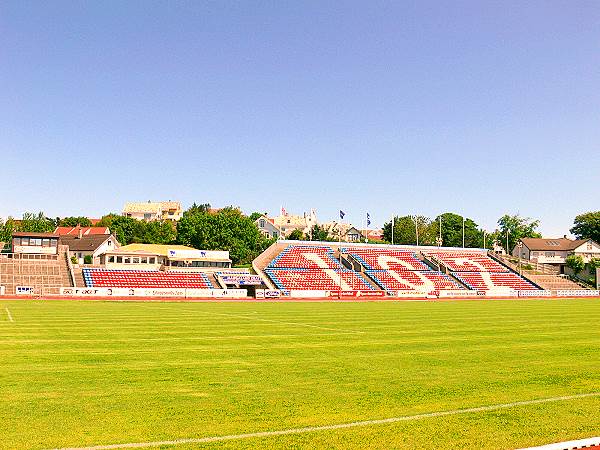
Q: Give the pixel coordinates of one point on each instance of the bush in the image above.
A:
(87, 259)
(74, 260)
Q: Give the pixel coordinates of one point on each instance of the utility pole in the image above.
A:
(417, 230)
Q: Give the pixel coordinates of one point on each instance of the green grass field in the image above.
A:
(75, 374)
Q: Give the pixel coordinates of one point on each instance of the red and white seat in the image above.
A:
(145, 279)
(317, 280)
(384, 259)
(486, 281)
(426, 282)
(467, 261)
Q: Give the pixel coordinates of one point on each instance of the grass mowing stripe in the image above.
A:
(174, 370)
(297, 324)
(339, 426)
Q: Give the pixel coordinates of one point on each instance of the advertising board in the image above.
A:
(24, 290)
(457, 293)
(576, 293)
(242, 279)
(535, 293)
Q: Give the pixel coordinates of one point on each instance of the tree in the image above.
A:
(587, 226)
(195, 209)
(74, 221)
(592, 266)
(128, 230)
(452, 231)
(517, 227)
(154, 232)
(317, 233)
(296, 235)
(227, 229)
(7, 229)
(405, 230)
(122, 227)
(37, 223)
(575, 263)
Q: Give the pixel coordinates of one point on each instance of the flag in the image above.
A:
(342, 214)
(283, 211)
(368, 219)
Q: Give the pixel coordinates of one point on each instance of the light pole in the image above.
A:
(484, 239)
(463, 219)
(507, 252)
(519, 247)
(392, 229)
(416, 230)
(438, 241)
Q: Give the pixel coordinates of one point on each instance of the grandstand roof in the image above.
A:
(153, 249)
(545, 244)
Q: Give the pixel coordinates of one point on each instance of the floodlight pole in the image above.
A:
(392, 229)
(520, 246)
(463, 220)
(439, 244)
(416, 230)
(507, 251)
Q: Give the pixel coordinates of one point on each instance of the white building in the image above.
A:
(285, 223)
(150, 211)
(168, 257)
(268, 228)
(555, 251)
(92, 245)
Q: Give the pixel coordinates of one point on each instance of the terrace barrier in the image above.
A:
(153, 292)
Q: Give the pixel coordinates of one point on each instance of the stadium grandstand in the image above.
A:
(41, 263)
(478, 271)
(397, 270)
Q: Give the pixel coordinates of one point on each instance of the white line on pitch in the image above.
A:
(339, 426)
(10, 317)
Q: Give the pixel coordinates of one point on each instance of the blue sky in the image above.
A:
(480, 108)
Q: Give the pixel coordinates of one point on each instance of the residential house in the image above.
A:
(555, 251)
(150, 211)
(92, 245)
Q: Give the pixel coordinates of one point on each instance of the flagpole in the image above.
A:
(340, 250)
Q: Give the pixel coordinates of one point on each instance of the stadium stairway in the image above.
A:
(78, 275)
(214, 281)
(554, 282)
(545, 280)
(263, 260)
(352, 264)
